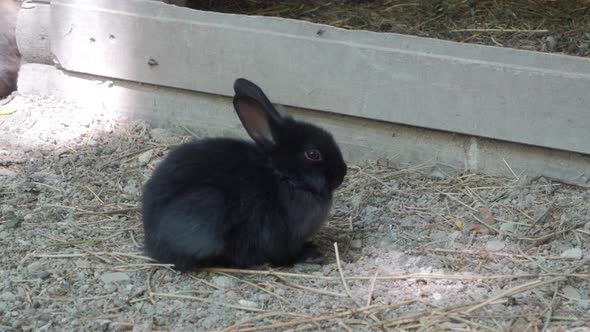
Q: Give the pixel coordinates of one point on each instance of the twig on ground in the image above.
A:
(551, 307)
(342, 273)
(148, 284)
(371, 288)
(204, 300)
(515, 290)
(311, 289)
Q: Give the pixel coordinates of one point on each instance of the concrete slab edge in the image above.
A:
(361, 139)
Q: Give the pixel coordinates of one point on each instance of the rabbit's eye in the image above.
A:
(313, 155)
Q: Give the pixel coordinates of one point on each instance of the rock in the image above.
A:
(8, 297)
(551, 43)
(370, 213)
(438, 175)
(144, 327)
(131, 189)
(356, 244)
(43, 177)
(114, 277)
(57, 290)
(41, 274)
(209, 322)
(507, 227)
(249, 304)
(495, 245)
(145, 157)
(306, 267)
(263, 297)
(575, 253)
(407, 222)
(36, 266)
(7, 173)
(584, 304)
(439, 236)
(571, 293)
(3, 235)
(163, 136)
(223, 282)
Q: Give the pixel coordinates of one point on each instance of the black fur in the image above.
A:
(229, 202)
(9, 55)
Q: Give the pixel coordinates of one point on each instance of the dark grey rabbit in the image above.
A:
(9, 55)
(230, 202)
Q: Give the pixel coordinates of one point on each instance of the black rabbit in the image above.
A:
(229, 202)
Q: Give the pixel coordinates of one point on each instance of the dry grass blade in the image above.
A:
(204, 300)
(551, 307)
(148, 284)
(238, 325)
(372, 288)
(341, 272)
(319, 318)
(483, 253)
(403, 276)
(310, 289)
(280, 298)
(515, 290)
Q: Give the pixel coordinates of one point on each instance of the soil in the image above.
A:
(536, 25)
(419, 247)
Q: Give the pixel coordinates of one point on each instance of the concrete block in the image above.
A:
(32, 33)
(361, 139)
(519, 96)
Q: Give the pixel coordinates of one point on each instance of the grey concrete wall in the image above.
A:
(361, 139)
(518, 96)
(32, 33)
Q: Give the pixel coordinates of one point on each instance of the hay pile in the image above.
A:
(540, 25)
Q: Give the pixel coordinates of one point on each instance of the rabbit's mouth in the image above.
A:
(310, 184)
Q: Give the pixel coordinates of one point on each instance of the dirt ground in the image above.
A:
(418, 248)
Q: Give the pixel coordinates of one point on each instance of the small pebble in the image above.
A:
(551, 43)
(114, 277)
(356, 244)
(507, 227)
(263, 297)
(306, 267)
(145, 157)
(571, 293)
(495, 245)
(572, 253)
(249, 304)
(7, 173)
(584, 304)
(144, 327)
(163, 136)
(8, 297)
(223, 282)
(436, 174)
(41, 274)
(131, 189)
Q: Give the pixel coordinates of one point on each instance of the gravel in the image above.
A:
(410, 240)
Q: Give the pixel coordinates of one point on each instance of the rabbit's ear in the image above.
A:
(256, 112)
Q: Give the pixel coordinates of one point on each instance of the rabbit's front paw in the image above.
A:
(311, 254)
